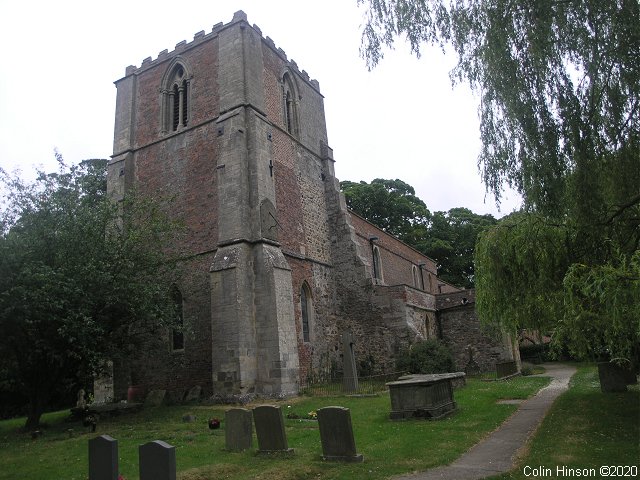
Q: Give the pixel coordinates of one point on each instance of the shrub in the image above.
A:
(430, 356)
(537, 353)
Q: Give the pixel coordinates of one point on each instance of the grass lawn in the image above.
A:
(389, 447)
(585, 429)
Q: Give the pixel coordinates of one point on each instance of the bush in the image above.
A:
(430, 356)
(537, 353)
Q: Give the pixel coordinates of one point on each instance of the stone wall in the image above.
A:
(472, 345)
(397, 258)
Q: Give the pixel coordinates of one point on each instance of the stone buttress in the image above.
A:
(254, 345)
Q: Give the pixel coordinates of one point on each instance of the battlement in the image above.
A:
(201, 36)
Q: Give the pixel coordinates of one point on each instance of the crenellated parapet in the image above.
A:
(202, 36)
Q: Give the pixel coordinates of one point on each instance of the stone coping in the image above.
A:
(417, 379)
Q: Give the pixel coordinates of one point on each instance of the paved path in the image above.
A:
(496, 453)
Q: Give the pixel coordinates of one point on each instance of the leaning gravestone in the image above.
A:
(157, 461)
(270, 430)
(103, 458)
(81, 402)
(103, 385)
(175, 397)
(155, 398)
(238, 429)
(193, 395)
(336, 434)
(350, 379)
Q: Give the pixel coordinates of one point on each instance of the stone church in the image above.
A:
(275, 268)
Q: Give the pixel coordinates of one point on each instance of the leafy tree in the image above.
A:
(451, 240)
(430, 356)
(559, 88)
(558, 83)
(78, 275)
(447, 237)
(522, 262)
(391, 205)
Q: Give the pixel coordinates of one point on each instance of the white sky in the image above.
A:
(402, 120)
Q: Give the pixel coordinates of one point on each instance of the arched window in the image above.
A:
(290, 104)
(377, 264)
(306, 307)
(416, 277)
(177, 335)
(175, 97)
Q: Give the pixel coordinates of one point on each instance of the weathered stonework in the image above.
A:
(251, 176)
(473, 346)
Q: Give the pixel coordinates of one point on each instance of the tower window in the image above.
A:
(175, 99)
(306, 307)
(176, 108)
(289, 104)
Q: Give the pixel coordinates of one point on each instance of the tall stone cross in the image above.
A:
(350, 378)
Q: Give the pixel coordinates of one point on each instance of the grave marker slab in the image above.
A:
(350, 378)
(506, 369)
(336, 435)
(157, 461)
(270, 430)
(423, 396)
(103, 385)
(238, 429)
(175, 397)
(103, 458)
(155, 398)
(193, 395)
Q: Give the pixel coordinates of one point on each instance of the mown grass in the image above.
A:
(389, 447)
(585, 429)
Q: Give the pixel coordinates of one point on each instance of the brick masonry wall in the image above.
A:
(178, 168)
(397, 258)
(155, 364)
(464, 334)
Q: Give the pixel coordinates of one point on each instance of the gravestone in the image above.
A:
(472, 367)
(238, 429)
(614, 377)
(189, 418)
(157, 461)
(336, 435)
(506, 369)
(175, 397)
(81, 402)
(103, 385)
(155, 398)
(350, 378)
(103, 458)
(423, 396)
(270, 430)
(193, 395)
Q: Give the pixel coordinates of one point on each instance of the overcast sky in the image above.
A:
(402, 120)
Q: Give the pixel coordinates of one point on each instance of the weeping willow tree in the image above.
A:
(559, 89)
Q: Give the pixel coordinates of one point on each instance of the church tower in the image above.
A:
(228, 128)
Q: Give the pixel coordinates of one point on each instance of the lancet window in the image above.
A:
(176, 91)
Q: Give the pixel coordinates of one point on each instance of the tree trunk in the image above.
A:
(36, 409)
